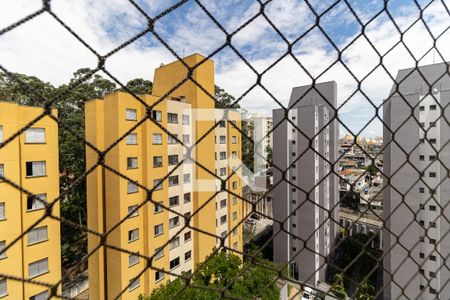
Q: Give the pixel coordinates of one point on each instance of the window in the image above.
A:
(133, 235)
(186, 120)
(37, 235)
(433, 141)
(421, 141)
(187, 197)
(35, 202)
(132, 188)
(223, 219)
(133, 259)
(175, 243)
(131, 139)
(234, 154)
(421, 287)
(222, 124)
(432, 157)
(172, 118)
(187, 236)
(35, 136)
(188, 255)
(35, 168)
(174, 263)
(421, 255)
(432, 274)
(131, 114)
(421, 206)
(421, 108)
(234, 231)
(38, 268)
(132, 162)
(159, 229)
(294, 154)
(174, 222)
(421, 239)
(421, 157)
(421, 222)
(432, 257)
(2, 170)
(2, 211)
(187, 178)
(234, 185)
(41, 296)
(223, 203)
(433, 224)
(173, 160)
(134, 284)
(222, 139)
(432, 174)
(186, 139)
(173, 180)
(234, 200)
(172, 139)
(157, 139)
(157, 161)
(223, 234)
(433, 241)
(233, 139)
(2, 247)
(432, 124)
(158, 184)
(422, 271)
(159, 275)
(223, 155)
(1, 134)
(235, 246)
(158, 208)
(133, 211)
(157, 115)
(432, 107)
(174, 201)
(159, 252)
(433, 207)
(235, 215)
(3, 287)
(421, 190)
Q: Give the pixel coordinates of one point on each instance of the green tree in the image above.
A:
(372, 170)
(223, 99)
(139, 86)
(248, 147)
(269, 156)
(220, 271)
(365, 291)
(337, 288)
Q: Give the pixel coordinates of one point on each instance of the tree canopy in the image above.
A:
(223, 271)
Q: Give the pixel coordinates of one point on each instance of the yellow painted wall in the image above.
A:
(105, 124)
(14, 155)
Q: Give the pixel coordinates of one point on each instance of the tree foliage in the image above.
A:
(223, 99)
(139, 86)
(365, 291)
(248, 146)
(337, 288)
(223, 270)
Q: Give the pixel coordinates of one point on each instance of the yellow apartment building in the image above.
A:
(30, 160)
(146, 154)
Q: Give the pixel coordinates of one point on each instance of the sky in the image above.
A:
(44, 48)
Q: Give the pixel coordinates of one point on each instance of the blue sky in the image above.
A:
(105, 25)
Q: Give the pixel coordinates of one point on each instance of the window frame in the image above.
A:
(28, 132)
(30, 164)
(37, 262)
(131, 139)
(130, 114)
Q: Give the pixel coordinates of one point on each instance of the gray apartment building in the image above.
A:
(416, 237)
(313, 193)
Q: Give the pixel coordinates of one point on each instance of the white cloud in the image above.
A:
(43, 48)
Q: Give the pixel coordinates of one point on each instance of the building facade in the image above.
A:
(262, 138)
(29, 160)
(310, 197)
(154, 223)
(415, 239)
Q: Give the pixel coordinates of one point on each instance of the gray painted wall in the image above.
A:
(312, 223)
(403, 179)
